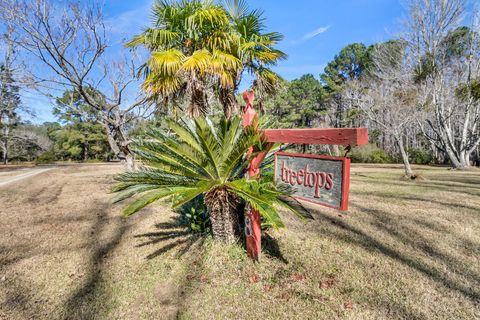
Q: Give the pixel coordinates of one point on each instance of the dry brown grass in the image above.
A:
(405, 250)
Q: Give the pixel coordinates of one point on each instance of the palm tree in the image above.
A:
(190, 46)
(199, 158)
(196, 45)
(254, 48)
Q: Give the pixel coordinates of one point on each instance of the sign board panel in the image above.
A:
(318, 179)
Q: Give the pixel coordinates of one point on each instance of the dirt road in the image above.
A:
(17, 175)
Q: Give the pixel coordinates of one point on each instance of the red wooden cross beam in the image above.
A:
(343, 136)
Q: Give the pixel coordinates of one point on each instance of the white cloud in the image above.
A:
(315, 33)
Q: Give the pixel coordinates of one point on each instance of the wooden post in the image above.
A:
(253, 231)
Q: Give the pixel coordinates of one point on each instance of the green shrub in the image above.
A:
(46, 158)
(420, 156)
(194, 214)
(370, 154)
(380, 156)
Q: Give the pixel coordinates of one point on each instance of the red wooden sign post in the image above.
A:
(344, 136)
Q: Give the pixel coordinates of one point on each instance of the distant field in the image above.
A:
(11, 167)
(405, 250)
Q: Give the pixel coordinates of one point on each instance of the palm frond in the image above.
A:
(155, 39)
(163, 84)
(199, 62)
(209, 16)
(200, 188)
(208, 142)
(150, 197)
(236, 8)
(267, 81)
(186, 149)
(166, 62)
(259, 197)
(131, 190)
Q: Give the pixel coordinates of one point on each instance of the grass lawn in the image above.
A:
(404, 250)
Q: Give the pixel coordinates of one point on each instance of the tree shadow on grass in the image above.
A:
(82, 303)
(20, 299)
(271, 247)
(379, 194)
(347, 233)
(173, 236)
(163, 235)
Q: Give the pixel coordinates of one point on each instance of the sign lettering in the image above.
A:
(319, 179)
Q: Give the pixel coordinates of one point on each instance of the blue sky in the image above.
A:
(314, 30)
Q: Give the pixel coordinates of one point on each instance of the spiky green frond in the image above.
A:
(195, 154)
(209, 16)
(152, 196)
(155, 39)
(195, 157)
(262, 197)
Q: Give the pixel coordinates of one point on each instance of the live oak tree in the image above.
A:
(68, 41)
(82, 136)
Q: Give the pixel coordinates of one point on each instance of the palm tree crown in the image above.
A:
(197, 44)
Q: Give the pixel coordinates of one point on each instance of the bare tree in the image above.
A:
(28, 143)
(387, 95)
(10, 103)
(70, 43)
(448, 70)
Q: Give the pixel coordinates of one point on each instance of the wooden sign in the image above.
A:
(318, 179)
(336, 196)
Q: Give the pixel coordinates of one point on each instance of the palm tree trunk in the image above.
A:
(197, 106)
(229, 101)
(222, 207)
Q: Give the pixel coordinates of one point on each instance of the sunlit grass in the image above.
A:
(404, 250)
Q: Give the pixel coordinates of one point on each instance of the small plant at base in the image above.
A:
(194, 214)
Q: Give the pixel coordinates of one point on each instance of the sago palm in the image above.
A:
(199, 158)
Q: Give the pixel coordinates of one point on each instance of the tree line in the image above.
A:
(418, 94)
